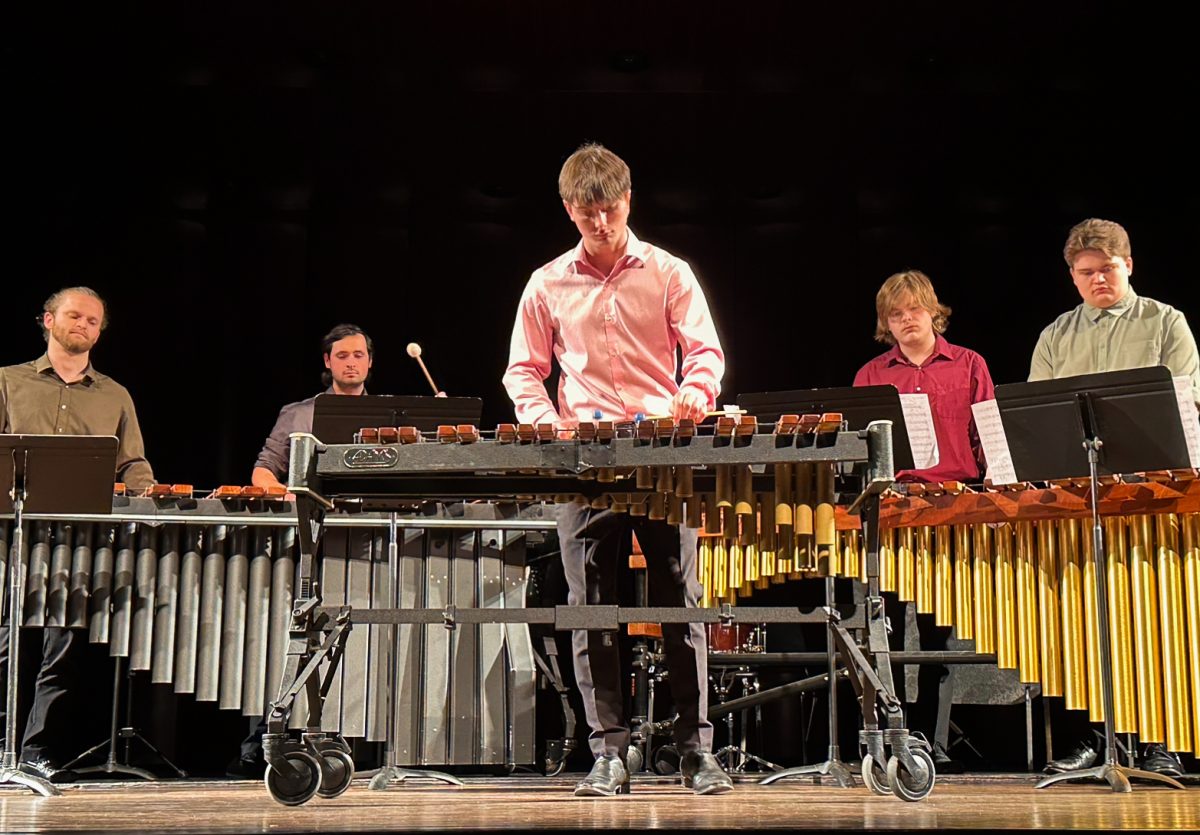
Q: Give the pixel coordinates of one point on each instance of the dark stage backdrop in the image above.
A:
(237, 179)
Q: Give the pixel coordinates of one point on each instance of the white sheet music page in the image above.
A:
(995, 443)
(1190, 418)
(922, 439)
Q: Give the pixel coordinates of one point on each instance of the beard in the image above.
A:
(72, 343)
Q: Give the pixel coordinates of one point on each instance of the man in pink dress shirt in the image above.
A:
(612, 313)
(910, 318)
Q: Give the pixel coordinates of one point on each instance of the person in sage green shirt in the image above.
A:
(61, 394)
(1113, 329)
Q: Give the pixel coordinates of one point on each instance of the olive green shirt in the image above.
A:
(1136, 332)
(35, 401)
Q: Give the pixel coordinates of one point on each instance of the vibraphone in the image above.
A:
(199, 592)
(663, 469)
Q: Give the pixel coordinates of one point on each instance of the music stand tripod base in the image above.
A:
(1117, 776)
(389, 774)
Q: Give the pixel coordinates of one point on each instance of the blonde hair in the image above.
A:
(1103, 235)
(593, 176)
(917, 285)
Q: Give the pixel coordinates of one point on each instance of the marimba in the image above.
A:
(1013, 570)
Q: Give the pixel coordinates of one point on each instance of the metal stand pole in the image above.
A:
(1116, 775)
(16, 587)
(833, 765)
(390, 772)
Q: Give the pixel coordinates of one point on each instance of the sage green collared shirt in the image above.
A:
(35, 401)
(1136, 332)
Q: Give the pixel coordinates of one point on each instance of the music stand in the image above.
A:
(337, 418)
(859, 406)
(1116, 422)
(48, 474)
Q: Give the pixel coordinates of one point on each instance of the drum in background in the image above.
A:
(736, 637)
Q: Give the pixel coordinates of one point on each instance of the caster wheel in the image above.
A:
(633, 759)
(336, 772)
(909, 786)
(554, 767)
(294, 791)
(875, 777)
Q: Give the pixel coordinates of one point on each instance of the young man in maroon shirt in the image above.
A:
(921, 361)
(910, 318)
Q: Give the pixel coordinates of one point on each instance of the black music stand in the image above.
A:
(49, 474)
(859, 406)
(1117, 422)
(337, 418)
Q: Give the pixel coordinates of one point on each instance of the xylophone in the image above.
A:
(673, 471)
(198, 591)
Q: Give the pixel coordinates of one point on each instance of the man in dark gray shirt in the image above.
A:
(348, 353)
(60, 393)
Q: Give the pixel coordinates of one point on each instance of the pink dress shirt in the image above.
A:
(954, 378)
(614, 337)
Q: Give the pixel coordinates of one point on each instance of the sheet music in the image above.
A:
(922, 439)
(1190, 418)
(995, 443)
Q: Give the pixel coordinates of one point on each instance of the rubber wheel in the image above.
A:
(337, 772)
(633, 759)
(874, 777)
(294, 791)
(554, 767)
(906, 785)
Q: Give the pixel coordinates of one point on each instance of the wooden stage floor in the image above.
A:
(540, 803)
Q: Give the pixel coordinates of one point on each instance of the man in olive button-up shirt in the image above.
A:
(61, 394)
(1113, 329)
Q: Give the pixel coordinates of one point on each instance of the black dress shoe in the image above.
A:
(1082, 757)
(943, 763)
(243, 768)
(48, 770)
(1161, 761)
(607, 777)
(703, 774)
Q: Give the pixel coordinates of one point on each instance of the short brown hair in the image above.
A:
(908, 283)
(593, 176)
(55, 301)
(1103, 235)
(338, 334)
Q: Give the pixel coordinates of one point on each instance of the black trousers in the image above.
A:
(47, 727)
(592, 553)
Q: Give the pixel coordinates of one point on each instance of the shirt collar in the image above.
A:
(635, 256)
(941, 348)
(1094, 313)
(42, 366)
